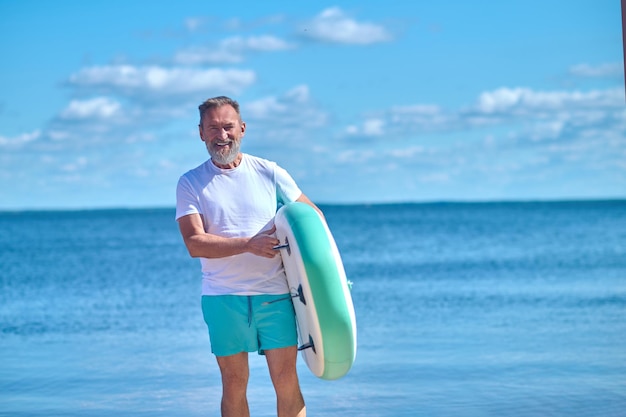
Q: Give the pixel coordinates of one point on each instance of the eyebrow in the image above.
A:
(229, 124)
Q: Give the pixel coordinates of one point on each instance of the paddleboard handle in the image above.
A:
(299, 295)
(284, 246)
(308, 345)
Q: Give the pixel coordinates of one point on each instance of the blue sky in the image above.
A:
(362, 101)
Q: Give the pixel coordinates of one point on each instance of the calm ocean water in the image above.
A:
(513, 309)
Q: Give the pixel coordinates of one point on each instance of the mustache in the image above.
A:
(221, 155)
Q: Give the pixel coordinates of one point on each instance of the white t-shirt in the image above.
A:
(238, 202)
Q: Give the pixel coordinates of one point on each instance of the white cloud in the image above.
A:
(374, 127)
(95, 108)
(295, 104)
(299, 94)
(421, 116)
(332, 25)
(401, 120)
(231, 50)
(597, 71)
(535, 134)
(19, 140)
(524, 100)
(544, 113)
(548, 130)
(256, 43)
(369, 127)
(130, 102)
(161, 81)
(500, 100)
(514, 132)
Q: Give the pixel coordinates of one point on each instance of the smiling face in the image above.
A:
(221, 130)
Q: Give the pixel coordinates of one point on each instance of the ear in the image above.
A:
(200, 132)
(243, 128)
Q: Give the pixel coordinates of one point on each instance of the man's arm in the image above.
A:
(205, 245)
(304, 199)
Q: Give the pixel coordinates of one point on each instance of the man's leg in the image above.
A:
(235, 372)
(282, 366)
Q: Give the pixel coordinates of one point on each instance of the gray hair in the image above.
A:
(216, 102)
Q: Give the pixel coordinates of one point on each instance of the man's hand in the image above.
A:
(263, 243)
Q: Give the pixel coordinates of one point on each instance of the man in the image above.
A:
(225, 210)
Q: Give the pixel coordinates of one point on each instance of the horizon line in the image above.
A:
(337, 204)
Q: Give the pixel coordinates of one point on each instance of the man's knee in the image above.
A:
(282, 367)
(233, 380)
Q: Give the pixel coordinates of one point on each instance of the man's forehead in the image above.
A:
(220, 114)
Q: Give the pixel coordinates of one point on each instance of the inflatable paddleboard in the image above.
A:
(320, 291)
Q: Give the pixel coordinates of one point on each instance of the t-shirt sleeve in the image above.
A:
(286, 188)
(186, 199)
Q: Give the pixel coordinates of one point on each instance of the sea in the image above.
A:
(463, 309)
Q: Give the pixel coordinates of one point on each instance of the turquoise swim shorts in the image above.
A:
(242, 323)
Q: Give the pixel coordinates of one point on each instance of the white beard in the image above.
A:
(224, 158)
